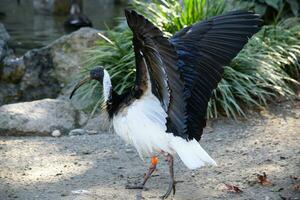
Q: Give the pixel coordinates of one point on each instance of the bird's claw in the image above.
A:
(172, 187)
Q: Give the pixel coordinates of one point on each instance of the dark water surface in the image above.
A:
(29, 29)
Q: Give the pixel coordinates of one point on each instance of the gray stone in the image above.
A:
(99, 123)
(68, 53)
(56, 133)
(9, 93)
(3, 33)
(3, 49)
(51, 68)
(4, 37)
(42, 73)
(13, 70)
(38, 117)
(39, 79)
(91, 132)
(77, 132)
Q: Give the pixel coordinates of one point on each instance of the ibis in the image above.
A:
(164, 113)
(76, 18)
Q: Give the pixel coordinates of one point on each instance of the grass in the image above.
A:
(268, 67)
(173, 15)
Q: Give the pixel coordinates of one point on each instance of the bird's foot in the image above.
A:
(135, 186)
(172, 187)
(151, 169)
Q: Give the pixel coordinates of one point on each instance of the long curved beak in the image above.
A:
(82, 82)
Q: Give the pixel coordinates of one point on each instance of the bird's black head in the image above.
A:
(95, 74)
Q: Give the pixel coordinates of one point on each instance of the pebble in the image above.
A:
(56, 133)
(129, 150)
(282, 157)
(80, 192)
(86, 152)
(77, 132)
(91, 132)
(64, 194)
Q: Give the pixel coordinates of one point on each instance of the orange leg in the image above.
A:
(152, 167)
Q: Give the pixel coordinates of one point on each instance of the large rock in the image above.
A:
(38, 117)
(99, 123)
(3, 33)
(42, 73)
(4, 37)
(11, 70)
(69, 53)
(2, 49)
(9, 93)
(51, 68)
(39, 80)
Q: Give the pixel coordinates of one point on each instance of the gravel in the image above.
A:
(99, 166)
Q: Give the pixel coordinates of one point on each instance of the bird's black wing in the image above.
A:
(156, 55)
(203, 49)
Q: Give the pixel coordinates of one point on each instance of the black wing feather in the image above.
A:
(203, 49)
(154, 53)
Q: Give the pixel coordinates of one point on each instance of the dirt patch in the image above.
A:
(99, 166)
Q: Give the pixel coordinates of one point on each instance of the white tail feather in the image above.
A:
(191, 153)
(143, 124)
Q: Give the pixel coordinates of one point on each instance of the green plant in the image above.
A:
(114, 52)
(272, 11)
(116, 55)
(267, 67)
(173, 15)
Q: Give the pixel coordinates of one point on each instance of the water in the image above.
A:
(29, 29)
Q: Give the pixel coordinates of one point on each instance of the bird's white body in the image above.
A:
(143, 124)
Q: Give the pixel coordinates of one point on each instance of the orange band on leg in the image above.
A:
(154, 160)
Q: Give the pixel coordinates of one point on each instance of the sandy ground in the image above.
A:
(99, 166)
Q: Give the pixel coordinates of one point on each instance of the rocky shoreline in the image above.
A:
(34, 87)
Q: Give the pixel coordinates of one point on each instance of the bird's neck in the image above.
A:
(107, 88)
(112, 100)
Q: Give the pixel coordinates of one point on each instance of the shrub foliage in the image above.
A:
(268, 66)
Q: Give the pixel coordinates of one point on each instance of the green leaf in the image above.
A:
(260, 9)
(274, 3)
(294, 4)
